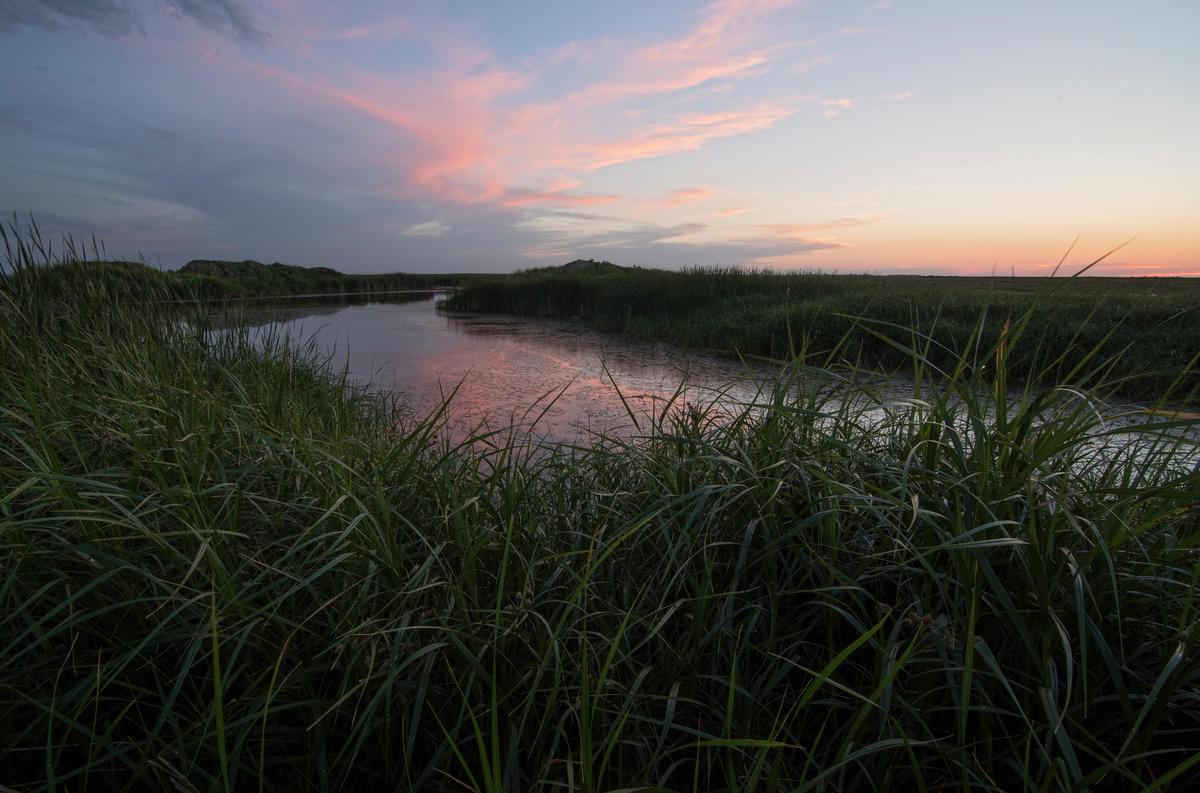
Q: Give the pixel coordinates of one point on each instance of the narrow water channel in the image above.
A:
(558, 379)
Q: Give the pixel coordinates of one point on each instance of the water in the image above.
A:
(558, 380)
(555, 380)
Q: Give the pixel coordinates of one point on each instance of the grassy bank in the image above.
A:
(206, 279)
(253, 279)
(224, 568)
(1143, 332)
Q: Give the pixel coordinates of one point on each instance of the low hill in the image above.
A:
(591, 265)
(254, 279)
(217, 280)
(222, 268)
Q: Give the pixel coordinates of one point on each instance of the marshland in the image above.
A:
(733, 396)
(229, 563)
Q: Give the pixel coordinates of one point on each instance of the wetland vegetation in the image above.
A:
(203, 279)
(224, 566)
(1137, 335)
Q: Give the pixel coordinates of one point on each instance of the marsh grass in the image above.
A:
(1146, 329)
(225, 567)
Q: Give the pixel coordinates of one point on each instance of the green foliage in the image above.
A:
(1148, 328)
(226, 568)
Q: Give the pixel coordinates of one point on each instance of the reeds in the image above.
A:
(225, 567)
(1146, 328)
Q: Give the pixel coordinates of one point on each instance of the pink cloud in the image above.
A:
(519, 197)
(442, 120)
(809, 64)
(676, 77)
(688, 132)
(786, 244)
(725, 43)
(797, 229)
(685, 195)
(786, 252)
(835, 107)
(460, 133)
(855, 31)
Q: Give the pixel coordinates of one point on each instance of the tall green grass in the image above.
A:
(1148, 328)
(226, 568)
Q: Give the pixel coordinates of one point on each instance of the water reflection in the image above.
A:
(558, 379)
(256, 313)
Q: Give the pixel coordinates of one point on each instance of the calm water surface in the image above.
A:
(509, 371)
(555, 380)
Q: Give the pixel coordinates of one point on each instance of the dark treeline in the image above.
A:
(1147, 330)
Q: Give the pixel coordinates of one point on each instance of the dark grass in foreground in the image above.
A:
(224, 568)
(1149, 328)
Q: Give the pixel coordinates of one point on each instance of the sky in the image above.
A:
(885, 136)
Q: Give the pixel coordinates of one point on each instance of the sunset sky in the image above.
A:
(859, 135)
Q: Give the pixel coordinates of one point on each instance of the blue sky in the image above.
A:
(897, 136)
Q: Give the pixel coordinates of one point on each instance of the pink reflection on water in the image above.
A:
(557, 380)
